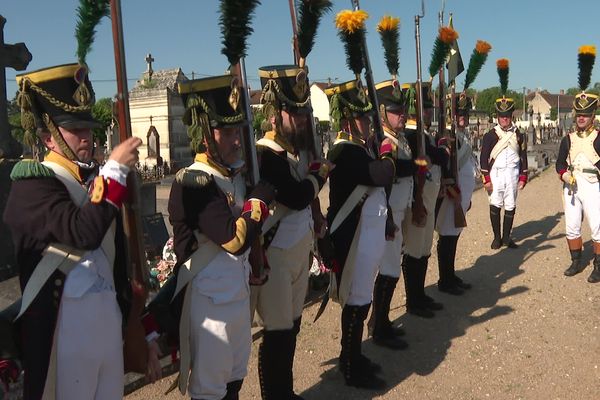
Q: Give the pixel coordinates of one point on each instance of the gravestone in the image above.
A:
(155, 234)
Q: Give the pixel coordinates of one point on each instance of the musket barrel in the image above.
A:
(248, 141)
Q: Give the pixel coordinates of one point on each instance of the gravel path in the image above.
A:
(524, 331)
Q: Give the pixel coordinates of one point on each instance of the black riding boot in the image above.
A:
(233, 390)
(495, 220)
(509, 216)
(274, 371)
(290, 358)
(355, 367)
(447, 282)
(575, 248)
(384, 333)
(459, 282)
(427, 301)
(595, 275)
(414, 302)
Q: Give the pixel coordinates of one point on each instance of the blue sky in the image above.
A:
(540, 38)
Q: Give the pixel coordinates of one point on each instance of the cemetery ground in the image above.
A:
(525, 331)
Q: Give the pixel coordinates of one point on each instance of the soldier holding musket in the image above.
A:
(578, 165)
(69, 239)
(464, 171)
(503, 163)
(393, 119)
(432, 157)
(357, 204)
(285, 162)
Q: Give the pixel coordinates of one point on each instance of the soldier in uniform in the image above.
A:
(461, 190)
(393, 120)
(69, 243)
(578, 164)
(357, 211)
(214, 226)
(418, 225)
(288, 160)
(503, 163)
(284, 162)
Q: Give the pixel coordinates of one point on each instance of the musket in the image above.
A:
(135, 352)
(248, 139)
(315, 148)
(377, 127)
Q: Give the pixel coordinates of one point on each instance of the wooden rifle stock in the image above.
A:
(135, 350)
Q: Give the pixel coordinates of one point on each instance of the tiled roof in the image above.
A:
(161, 80)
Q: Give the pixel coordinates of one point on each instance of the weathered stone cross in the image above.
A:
(149, 61)
(14, 56)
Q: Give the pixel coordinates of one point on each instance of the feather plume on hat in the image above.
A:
(310, 13)
(502, 68)
(478, 58)
(89, 14)
(389, 32)
(351, 30)
(585, 59)
(235, 27)
(441, 48)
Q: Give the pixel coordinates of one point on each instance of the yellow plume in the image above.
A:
(388, 23)
(351, 21)
(588, 49)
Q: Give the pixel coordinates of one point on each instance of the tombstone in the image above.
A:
(14, 56)
(155, 234)
(153, 144)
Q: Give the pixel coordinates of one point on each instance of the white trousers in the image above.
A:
(445, 220)
(371, 245)
(400, 200)
(505, 184)
(220, 345)
(281, 298)
(583, 201)
(89, 348)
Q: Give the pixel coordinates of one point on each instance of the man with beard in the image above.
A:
(285, 162)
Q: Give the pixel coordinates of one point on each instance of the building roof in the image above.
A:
(322, 85)
(161, 80)
(566, 101)
(255, 97)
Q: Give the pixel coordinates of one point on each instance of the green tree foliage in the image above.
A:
(595, 89)
(102, 111)
(553, 113)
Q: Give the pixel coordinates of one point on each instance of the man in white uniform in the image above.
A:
(577, 165)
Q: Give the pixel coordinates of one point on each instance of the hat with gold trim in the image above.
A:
(218, 101)
(504, 105)
(62, 96)
(286, 87)
(585, 103)
(389, 92)
(349, 99)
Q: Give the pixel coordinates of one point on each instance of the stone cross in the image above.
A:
(149, 61)
(14, 56)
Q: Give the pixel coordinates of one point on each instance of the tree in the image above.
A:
(486, 99)
(553, 113)
(102, 112)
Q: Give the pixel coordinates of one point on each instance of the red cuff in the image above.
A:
(257, 208)
(109, 190)
(149, 323)
(386, 148)
(486, 179)
(561, 173)
(523, 178)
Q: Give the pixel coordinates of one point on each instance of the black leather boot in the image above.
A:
(414, 301)
(355, 368)
(447, 282)
(457, 281)
(233, 390)
(495, 220)
(383, 331)
(576, 265)
(274, 364)
(595, 275)
(507, 225)
(427, 301)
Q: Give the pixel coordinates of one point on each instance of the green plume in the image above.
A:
(235, 27)
(354, 50)
(478, 58)
(309, 17)
(89, 14)
(390, 39)
(441, 48)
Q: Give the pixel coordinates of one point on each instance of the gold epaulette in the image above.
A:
(193, 178)
(30, 169)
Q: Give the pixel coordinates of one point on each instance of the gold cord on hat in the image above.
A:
(58, 138)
